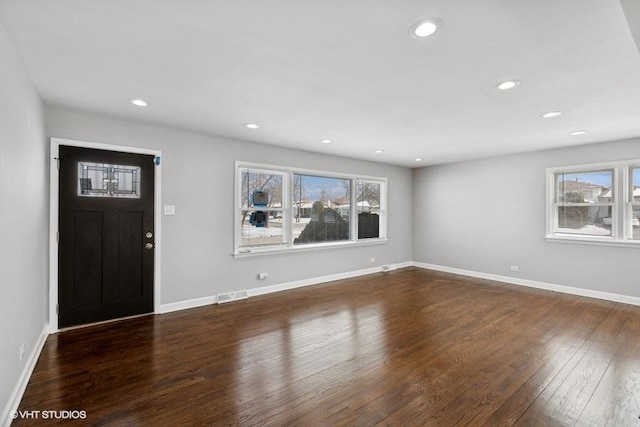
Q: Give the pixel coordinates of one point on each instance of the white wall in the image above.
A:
(198, 178)
(23, 218)
(632, 13)
(487, 215)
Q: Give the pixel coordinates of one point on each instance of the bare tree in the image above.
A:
(323, 195)
(253, 181)
(299, 192)
(257, 181)
(365, 191)
(346, 185)
(368, 192)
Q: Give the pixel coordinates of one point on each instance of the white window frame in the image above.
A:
(288, 214)
(622, 205)
(629, 202)
(284, 209)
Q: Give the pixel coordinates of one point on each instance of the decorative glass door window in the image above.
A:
(105, 180)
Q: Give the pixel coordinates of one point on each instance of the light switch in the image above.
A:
(169, 210)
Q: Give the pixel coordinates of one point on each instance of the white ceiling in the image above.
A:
(307, 70)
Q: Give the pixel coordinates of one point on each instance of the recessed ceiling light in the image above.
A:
(138, 102)
(551, 114)
(326, 141)
(418, 159)
(508, 84)
(252, 126)
(426, 27)
(379, 151)
(577, 132)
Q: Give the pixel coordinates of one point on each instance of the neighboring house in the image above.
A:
(577, 217)
(589, 193)
(304, 208)
(606, 197)
(363, 206)
(585, 192)
(342, 205)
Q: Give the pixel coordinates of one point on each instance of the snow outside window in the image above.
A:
(279, 209)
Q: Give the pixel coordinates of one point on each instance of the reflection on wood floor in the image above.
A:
(410, 347)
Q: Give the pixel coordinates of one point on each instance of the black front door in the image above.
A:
(106, 241)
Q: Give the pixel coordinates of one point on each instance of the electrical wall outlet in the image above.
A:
(372, 259)
(263, 276)
(515, 268)
(23, 348)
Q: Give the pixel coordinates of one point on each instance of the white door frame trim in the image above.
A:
(54, 212)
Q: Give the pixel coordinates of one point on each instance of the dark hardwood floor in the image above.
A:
(410, 347)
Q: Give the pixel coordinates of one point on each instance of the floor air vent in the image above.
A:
(232, 296)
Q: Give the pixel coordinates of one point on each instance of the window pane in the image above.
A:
(261, 228)
(368, 205)
(635, 222)
(261, 189)
(584, 187)
(106, 180)
(586, 220)
(320, 208)
(635, 184)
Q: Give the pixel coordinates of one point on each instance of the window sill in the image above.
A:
(597, 241)
(309, 247)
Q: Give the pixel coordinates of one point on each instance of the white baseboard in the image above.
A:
(626, 299)
(184, 305)
(21, 386)
(317, 280)
(199, 302)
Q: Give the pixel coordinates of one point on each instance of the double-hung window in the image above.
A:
(280, 209)
(633, 203)
(262, 215)
(594, 203)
